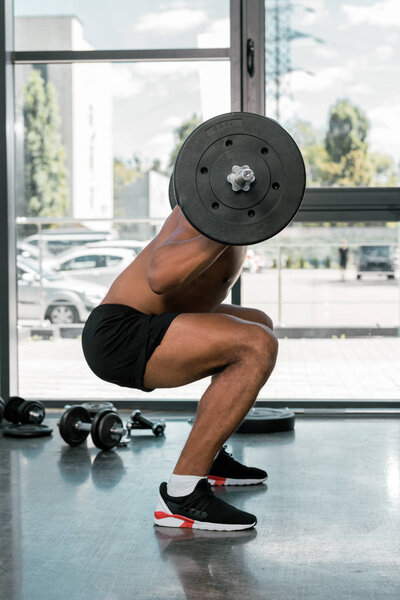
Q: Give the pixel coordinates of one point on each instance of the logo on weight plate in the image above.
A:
(224, 125)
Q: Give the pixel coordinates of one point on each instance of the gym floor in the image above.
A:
(76, 523)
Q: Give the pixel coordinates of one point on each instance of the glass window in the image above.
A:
(115, 130)
(333, 81)
(73, 25)
(81, 262)
(112, 261)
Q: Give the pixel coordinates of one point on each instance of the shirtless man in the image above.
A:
(162, 324)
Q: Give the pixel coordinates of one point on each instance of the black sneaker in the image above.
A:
(200, 510)
(225, 470)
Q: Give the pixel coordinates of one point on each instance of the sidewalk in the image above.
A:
(366, 368)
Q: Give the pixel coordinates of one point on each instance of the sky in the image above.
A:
(359, 59)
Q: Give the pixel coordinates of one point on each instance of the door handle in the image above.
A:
(250, 57)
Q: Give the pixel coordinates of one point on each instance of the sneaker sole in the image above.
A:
(163, 517)
(214, 480)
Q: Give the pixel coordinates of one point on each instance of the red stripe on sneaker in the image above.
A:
(217, 480)
(163, 515)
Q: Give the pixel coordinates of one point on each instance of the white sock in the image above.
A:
(182, 485)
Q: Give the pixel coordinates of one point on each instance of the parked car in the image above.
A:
(25, 250)
(135, 245)
(97, 265)
(54, 242)
(64, 300)
(376, 259)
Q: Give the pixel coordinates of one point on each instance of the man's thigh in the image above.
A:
(197, 345)
(247, 314)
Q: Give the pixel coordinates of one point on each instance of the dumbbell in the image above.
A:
(138, 421)
(94, 407)
(106, 427)
(17, 410)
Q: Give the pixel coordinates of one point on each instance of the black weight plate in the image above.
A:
(29, 430)
(267, 420)
(171, 192)
(206, 197)
(27, 407)
(102, 437)
(1, 409)
(94, 407)
(11, 409)
(69, 419)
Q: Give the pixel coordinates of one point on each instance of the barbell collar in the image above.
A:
(241, 178)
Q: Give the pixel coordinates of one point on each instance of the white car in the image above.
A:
(135, 245)
(97, 265)
(63, 300)
(54, 242)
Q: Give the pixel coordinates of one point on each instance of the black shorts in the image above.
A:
(118, 340)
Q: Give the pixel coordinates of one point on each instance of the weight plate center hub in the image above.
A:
(215, 187)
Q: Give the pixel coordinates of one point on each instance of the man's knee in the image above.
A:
(261, 347)
(259, 316)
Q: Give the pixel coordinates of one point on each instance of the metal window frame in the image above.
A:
(247, 93)
(8, 283)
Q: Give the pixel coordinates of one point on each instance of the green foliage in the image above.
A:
(341, 157)
(181, 133)
(347, 130)
(125, 174)
(46, 191)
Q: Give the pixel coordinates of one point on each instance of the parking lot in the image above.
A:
(318, 298)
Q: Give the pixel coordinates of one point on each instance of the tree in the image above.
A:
(341, 157)
(46, 191)
(125, 174)
(347, 130)
(181, 133)
(349, 163)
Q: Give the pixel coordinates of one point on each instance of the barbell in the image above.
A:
(239, 178)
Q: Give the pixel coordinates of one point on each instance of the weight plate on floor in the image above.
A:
(102, 424)
(67, 425)
(171, 192)
(11, 409)
(207, 199)
(28, 430)
(267, 420)
(94, 407)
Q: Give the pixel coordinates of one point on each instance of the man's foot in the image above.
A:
(200, 510)
(225, 470)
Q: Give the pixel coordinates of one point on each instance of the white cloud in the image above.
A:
(322, 80)
(173, 121)
(217, 36)
(385, 127)
(384, 13)
(385, 52)
(124, 84)
(360, 88)
(173, 20)
(325, 52)
(159, 145)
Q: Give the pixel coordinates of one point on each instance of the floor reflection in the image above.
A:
(209, 564)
